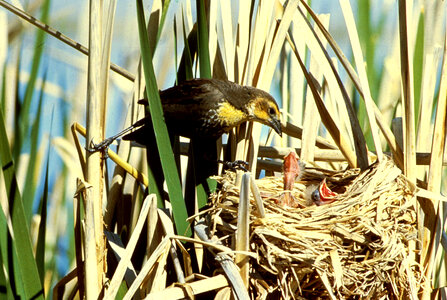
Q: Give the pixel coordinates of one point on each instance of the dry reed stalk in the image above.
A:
(61, 37)
(242, 233)
(434, 223)
(405, 33)
(97, 86)
(197, 287)
(381, 122)
(356, 246)
(359, 61)
(311, 120)
(357, 135)
(121, 269)
(158, 256)
(93, 196)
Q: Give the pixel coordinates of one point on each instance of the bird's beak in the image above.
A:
(276, 125)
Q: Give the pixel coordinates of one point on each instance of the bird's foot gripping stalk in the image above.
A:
(102, 146)
(235, 165)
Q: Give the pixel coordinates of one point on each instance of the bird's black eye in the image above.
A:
(315, 195)
(272, 111)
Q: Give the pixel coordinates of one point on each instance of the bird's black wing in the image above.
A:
(189, 107)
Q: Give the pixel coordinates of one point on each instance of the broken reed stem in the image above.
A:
(407, 89)
(198, 287)
(255, 192)
(242, 233)
(125, 259)
(91, 275)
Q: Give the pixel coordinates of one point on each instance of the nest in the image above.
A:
(361, 245)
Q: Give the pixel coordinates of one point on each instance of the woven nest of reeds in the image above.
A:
(361, 245)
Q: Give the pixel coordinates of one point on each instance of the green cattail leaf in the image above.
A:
(161, 133)
(202, 40)
(19, 241)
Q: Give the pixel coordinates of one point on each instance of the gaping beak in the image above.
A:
(276, 125)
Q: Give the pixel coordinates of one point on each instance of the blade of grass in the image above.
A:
(366, 32)
(30, 184)
(78, 215)
(161, 133)
(20, 237)
(202, 40)
(40, 247)
(17, 134)
(30, 87)
(59, 288)
(164, 12)
(3, 89)
(41, 240)
(185, 69)
(7, 278)
(365, 29)
(154, 178)
(439, 134)
(405, 32)
(168, 228)
(205, 72)
(418, 64)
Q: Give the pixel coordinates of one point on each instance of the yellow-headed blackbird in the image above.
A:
(203, 109)
(207, 108)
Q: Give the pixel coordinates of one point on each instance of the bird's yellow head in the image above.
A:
(263, 108)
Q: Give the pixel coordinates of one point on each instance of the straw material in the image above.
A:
(359, 245)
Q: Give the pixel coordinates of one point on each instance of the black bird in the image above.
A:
(203, 109)
(207, 108)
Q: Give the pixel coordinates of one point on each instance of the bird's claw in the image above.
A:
(236, 165)
(102, 146)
